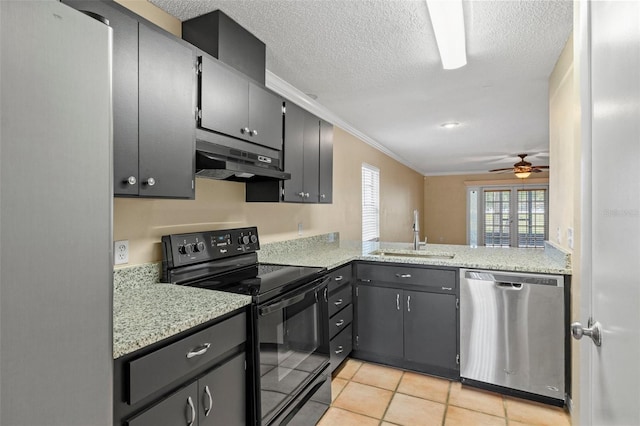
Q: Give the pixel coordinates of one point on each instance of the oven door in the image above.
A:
(293, 337)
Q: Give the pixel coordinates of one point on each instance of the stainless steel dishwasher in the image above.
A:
(512, 333)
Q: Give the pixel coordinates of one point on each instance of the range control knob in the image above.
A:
(254, 239)
(182, 250)
(245, 239)
(188, 248)
(199, 247)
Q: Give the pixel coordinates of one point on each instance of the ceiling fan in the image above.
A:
(522, 169)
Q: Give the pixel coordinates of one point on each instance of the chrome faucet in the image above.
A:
(416, 231)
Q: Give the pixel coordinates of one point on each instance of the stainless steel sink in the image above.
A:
(416, 254)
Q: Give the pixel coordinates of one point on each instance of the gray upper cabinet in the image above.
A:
(234, 106)
(308, 156)
(153, 104)
(326, 162)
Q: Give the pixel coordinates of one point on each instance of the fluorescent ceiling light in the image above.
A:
(450, 124)
(448, 25)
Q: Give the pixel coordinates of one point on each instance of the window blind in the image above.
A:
(370, 203)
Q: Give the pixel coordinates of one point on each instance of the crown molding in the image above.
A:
(293, 94)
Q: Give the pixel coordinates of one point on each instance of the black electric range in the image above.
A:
(289, 318)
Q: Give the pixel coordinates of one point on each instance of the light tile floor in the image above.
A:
(369, 394)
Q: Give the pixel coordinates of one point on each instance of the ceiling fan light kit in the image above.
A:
(522, 169)
(447, 20)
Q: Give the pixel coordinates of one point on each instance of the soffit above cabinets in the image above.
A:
(375, 64)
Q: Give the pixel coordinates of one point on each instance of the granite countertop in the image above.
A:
(146, 312)
(328, 251)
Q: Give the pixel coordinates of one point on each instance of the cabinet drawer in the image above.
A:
(340, 320)
(341, 346)
(440, 279)
(339, 277)
(158, 369)
(339, 300)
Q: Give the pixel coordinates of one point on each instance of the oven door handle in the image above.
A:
(296, 298)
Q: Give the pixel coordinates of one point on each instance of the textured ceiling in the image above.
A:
(375, 64)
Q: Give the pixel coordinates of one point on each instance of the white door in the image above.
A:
(610, 288)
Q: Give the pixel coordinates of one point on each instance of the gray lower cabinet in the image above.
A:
(430, 323)
(379, 321)
(197, 378)
(215, 399)
(407, 316)
(340, 315)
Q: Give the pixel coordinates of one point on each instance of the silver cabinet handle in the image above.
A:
(338, 302)
(403, 275)
(306, 194)
(398, 301)
(254, 132)
(323, 196)
(193, 412)
(244, 130)
(408, 303)
(326, 294)
(131, 180)
(208, 409)
(340, 350)
(340, 323)
(338, 278)
(200, 350)
(301, 194)
(447, 288)
(151, 181)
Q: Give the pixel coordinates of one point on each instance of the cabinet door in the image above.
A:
(311, 161)
(224, 100)
(379, 320)
(166, 121)
(222, 395)
(326, 162)
(430, 329)
(294, 152)
(178, 409)
(125, 93)
(265, 117)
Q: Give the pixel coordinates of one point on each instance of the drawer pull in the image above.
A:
(340, 323)
(340, 350)
(447, 288)
(208, 409)
(200, 350)
(338, 278)
(338, 302)
(403, 275)
(193, 412)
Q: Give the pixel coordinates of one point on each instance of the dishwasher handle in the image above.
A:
(509, 286)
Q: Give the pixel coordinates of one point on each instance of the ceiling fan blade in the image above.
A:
(539, 167)
(510, 169)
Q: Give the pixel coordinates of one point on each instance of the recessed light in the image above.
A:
(450, 124)
(312, 96)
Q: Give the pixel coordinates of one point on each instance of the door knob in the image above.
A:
(594, 331)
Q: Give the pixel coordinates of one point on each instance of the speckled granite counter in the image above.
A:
(328, 251)
(145, 312)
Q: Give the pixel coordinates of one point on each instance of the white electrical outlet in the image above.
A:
(121, 252)
(570, 238)
(300, 228)
(558, 235)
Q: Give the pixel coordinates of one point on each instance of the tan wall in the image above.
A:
(220, 204)
(445, 205)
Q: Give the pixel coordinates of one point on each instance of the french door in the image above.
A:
(509, 216)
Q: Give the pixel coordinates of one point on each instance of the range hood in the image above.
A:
(224, 163)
